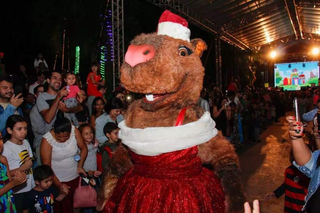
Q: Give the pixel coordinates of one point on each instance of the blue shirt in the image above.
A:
(310, 170)
(101, 121)
(310, 115)
(5, 114)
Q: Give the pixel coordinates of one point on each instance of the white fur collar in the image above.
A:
(154, 141)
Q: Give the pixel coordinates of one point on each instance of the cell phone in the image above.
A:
(18, 89)
(296, 111)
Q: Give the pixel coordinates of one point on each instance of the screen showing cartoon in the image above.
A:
(293, 76)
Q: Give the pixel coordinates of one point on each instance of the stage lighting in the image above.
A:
(273, 54)
(315, 51)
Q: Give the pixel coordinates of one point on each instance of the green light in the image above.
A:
(103, 62)
(77, 65)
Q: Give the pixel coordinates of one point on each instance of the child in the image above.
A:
(93, 80)
(41, 198)
(90, 165)
(295, 188)
(111, 131)
(18, 152)
(6, 183)
(71, 99)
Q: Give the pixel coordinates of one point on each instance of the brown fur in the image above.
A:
(179, 79)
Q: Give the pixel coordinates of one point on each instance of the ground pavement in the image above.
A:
(263, 166)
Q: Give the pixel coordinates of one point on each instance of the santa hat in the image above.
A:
(174, 26)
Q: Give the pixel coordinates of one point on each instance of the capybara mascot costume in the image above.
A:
(168, 136)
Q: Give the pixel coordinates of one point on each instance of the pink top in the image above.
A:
(73, 90)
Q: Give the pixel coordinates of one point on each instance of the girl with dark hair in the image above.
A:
(112, 114)
(7, 184)
(98, 105)
(93, 80)
(58, 149)
(18, 152)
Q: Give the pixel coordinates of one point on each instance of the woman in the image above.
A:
(222, 114)
(307, 162)
(112, 114)
(58, 149)
(98, 105)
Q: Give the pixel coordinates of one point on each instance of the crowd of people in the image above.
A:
(54, 131)
(242, 113)
(57, 134)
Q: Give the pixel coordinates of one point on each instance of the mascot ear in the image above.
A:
(199, 45)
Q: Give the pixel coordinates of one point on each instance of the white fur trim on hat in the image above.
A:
(154, 141)
(174, 30)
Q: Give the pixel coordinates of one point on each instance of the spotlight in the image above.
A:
(315, 51)
(273, 54)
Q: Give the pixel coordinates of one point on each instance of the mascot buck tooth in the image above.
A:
(168, 137)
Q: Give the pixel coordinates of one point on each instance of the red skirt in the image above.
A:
(168, 183)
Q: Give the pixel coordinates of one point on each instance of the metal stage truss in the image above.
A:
(118, 38)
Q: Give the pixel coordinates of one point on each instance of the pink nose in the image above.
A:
(137, 54)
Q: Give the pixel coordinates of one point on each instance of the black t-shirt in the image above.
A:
(313, 205)
(40, 201)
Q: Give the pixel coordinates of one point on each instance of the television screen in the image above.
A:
(293, 76)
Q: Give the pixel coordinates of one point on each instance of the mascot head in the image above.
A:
(165, 66)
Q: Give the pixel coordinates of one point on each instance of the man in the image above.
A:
(9, 103)
(44, 113)
(103, 91)
(40, 80)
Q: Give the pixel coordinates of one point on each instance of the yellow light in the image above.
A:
(315, 51)
(273, 54)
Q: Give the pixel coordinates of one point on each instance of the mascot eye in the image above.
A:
(184, 51)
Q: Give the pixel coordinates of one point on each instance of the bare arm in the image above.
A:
(49, 114)
(301, 152)
(92, 79)
(217, 112)
(19, 179)
(229, 114)
(83, 148)
(93, 121)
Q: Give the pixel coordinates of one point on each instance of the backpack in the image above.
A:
(99, 157)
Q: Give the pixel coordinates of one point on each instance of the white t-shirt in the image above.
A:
(32, 86)
(16, 156)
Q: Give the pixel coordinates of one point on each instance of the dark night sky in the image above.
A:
(33, 26)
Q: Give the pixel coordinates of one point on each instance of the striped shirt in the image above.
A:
(295, 188)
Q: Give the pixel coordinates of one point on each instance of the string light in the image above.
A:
(103, 62)
(77, 61)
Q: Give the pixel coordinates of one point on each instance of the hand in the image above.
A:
(295, 128)
(269, 196)
(62, 107)
(81, 97)
(81, 171)
(63, 92)
(247, 208)
(16, 101)
(96, 143)
(64, 189)
(97, 173)
(27, 165)
(19, 178)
